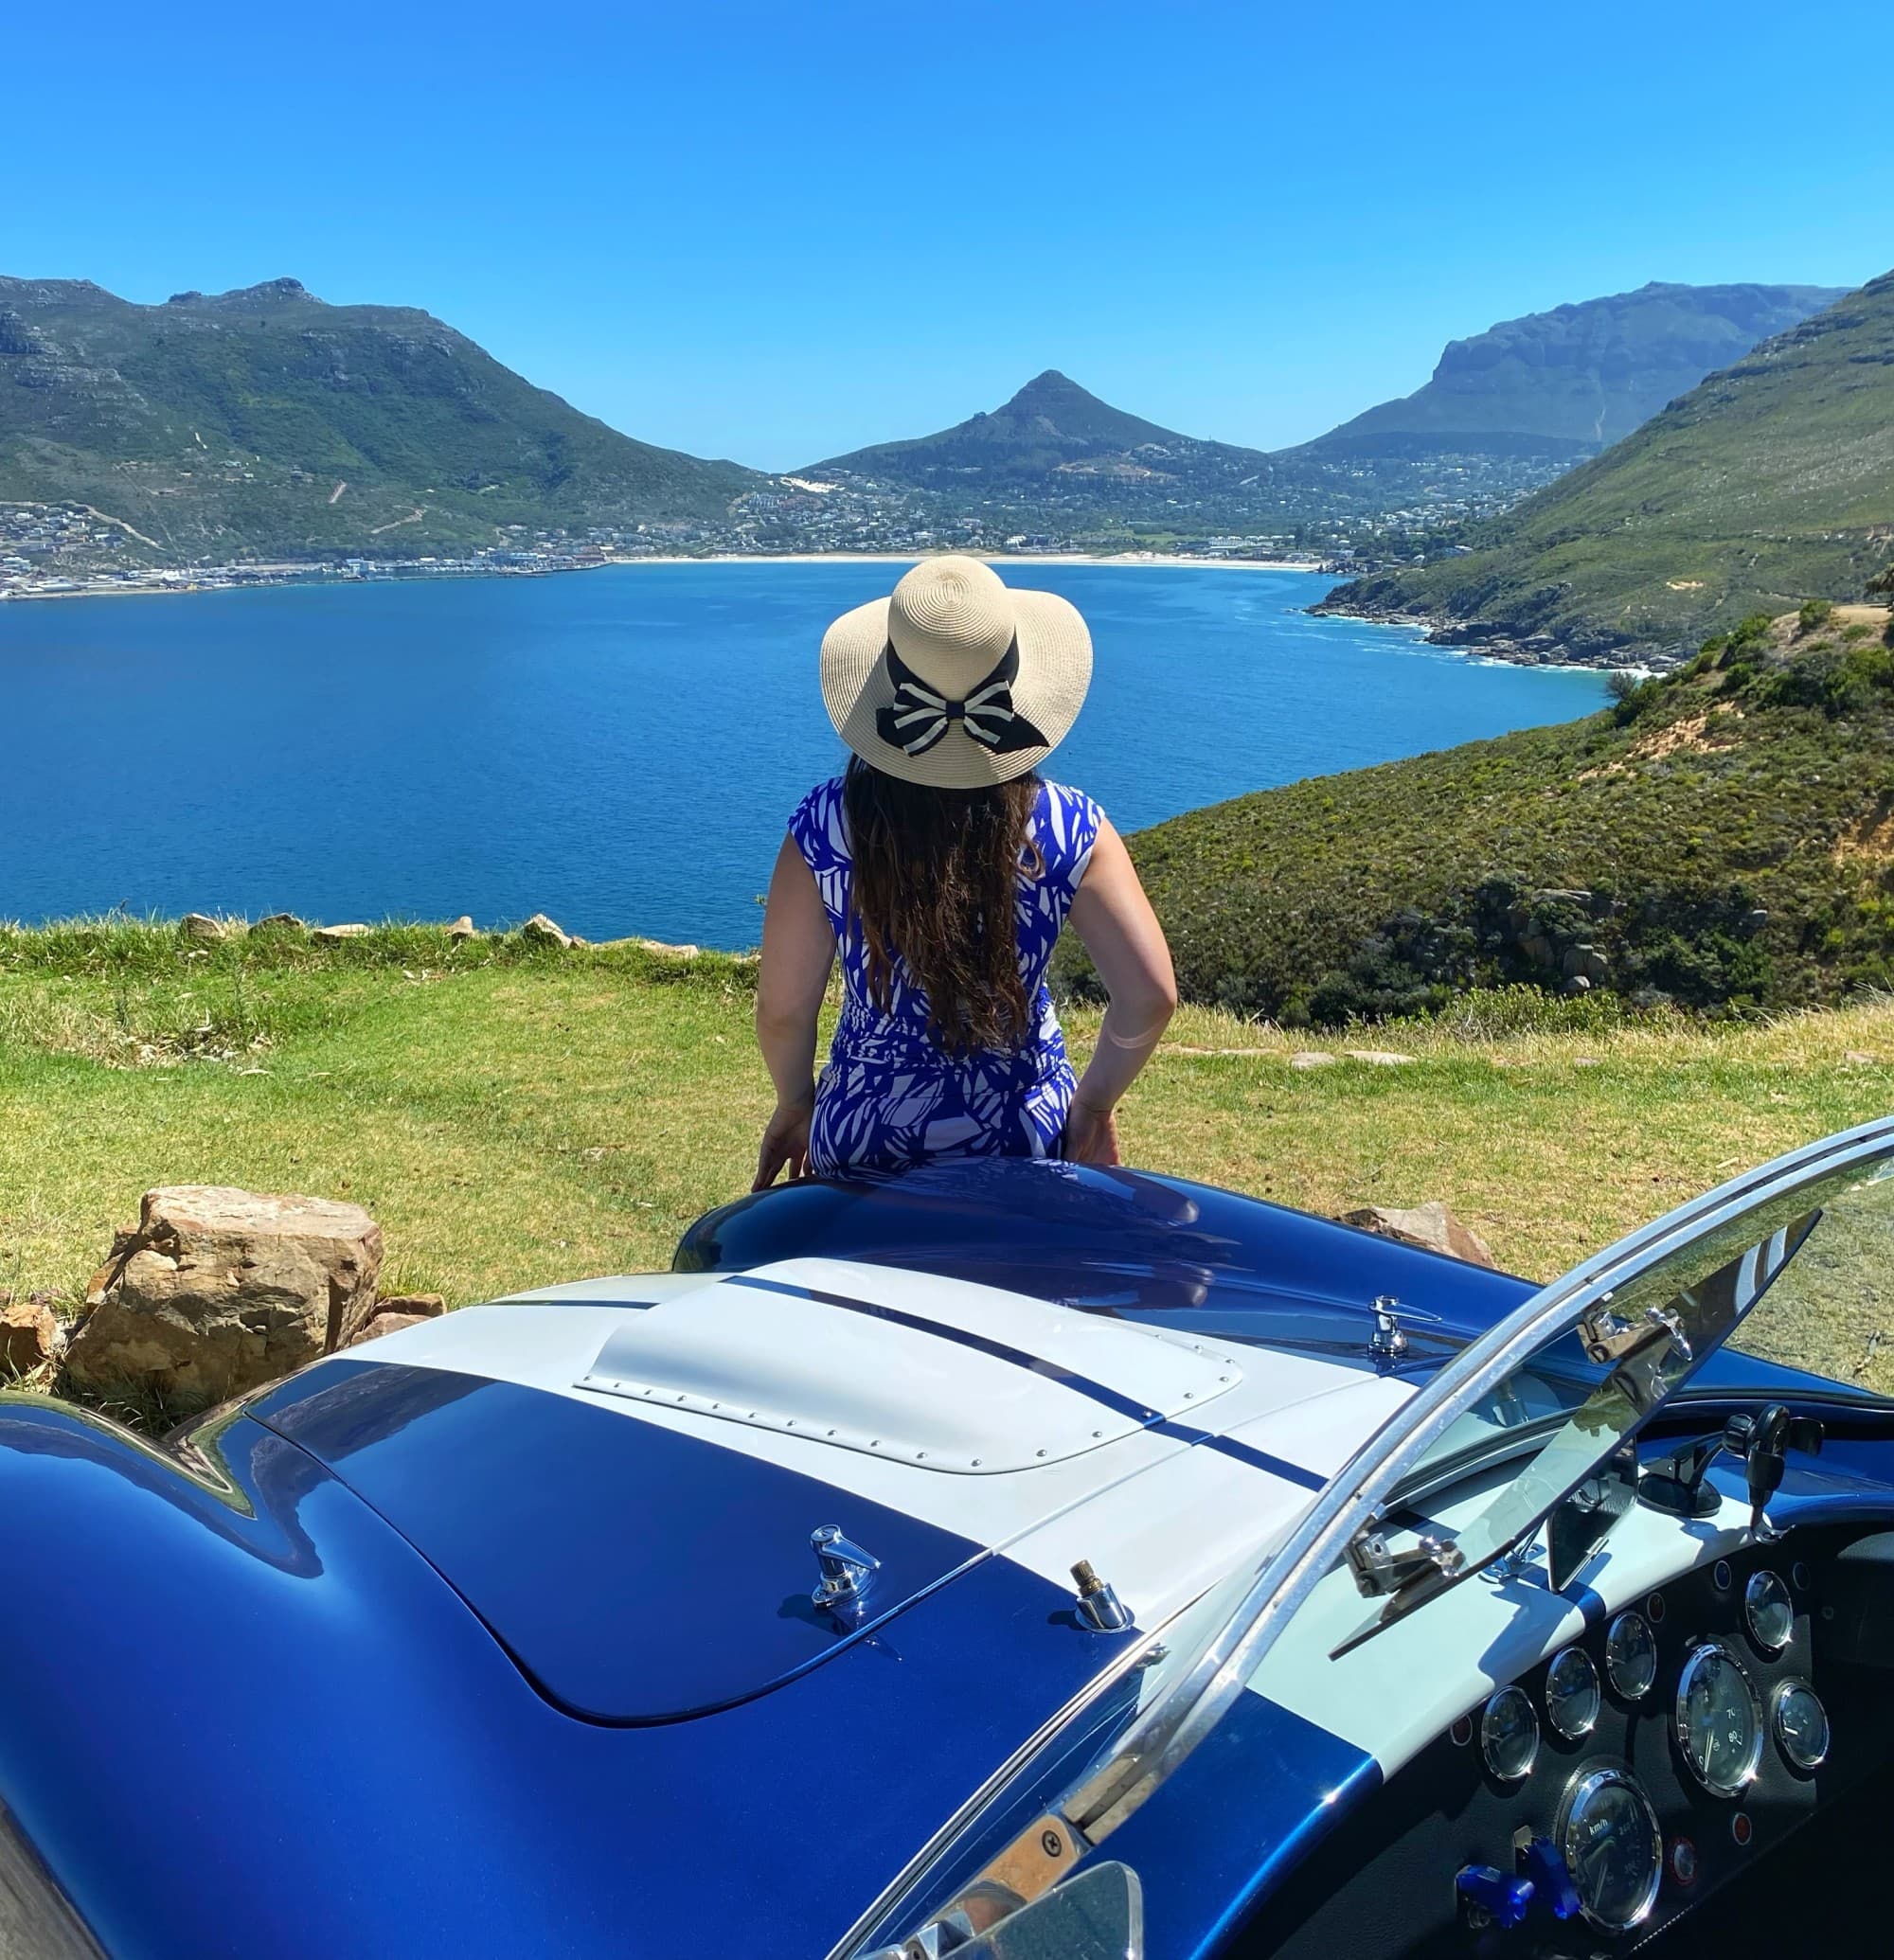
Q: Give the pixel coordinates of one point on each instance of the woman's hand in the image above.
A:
(1091, 1135)
(786, 1142)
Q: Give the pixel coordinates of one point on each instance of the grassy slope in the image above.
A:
(1374, 890)
(516, 1118)
(155, 413)
(1770, 483)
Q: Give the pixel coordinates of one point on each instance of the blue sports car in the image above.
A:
(1012, 1560)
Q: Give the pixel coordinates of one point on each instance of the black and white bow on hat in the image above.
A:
(918, 717)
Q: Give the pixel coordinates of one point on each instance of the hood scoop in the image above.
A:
(940, 1374)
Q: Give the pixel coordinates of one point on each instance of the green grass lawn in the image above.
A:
(515, 1118)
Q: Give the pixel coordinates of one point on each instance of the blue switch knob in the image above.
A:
(1545, 1864)
(1502, 1900)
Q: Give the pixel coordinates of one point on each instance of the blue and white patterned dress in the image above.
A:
(891, 1097)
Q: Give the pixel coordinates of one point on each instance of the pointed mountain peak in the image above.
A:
(1049, 391)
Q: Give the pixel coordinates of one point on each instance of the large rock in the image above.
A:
(218, 1290)
(29, 1336)
(1431, 1225)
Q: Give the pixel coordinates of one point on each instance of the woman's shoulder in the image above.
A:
(817, 823)
(1068, 823)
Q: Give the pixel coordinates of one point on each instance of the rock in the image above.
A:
(1538, 949)
(1312, 1058)
(329, 935)
(200, 925)
(387, 1324)
(1586, 963)
(1378, 1058)
(1431, 1225)
(462, 928)
(419, 1306)
(541, 931)
(218, 1290)
(29, 1336)
(281, 921)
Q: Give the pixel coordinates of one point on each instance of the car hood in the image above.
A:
(623, 1485)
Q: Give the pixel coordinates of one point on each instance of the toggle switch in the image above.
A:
(1543, 1864)
(1501, 1899)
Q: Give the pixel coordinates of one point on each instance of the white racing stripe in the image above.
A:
(1158, 1517)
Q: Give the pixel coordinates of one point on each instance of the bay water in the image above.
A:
(618, 748)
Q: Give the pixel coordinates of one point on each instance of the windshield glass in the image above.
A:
(1832, 1312)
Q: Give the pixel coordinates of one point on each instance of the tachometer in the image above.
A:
(1510, 1734)
(1613, 1847)
(1769, 1610)
(1802, 1724)
(1572, 1694)
(1630, 1656)
(1718, 1720)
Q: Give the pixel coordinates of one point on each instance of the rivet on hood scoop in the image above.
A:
(939, 1372)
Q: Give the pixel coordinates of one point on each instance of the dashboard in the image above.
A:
(1597, 1801)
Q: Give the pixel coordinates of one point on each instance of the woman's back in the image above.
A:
(1060, 832)
(893, 1094)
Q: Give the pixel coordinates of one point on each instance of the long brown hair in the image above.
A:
(937, 880)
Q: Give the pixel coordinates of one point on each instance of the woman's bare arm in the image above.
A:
(1117, 926)
(798, 952)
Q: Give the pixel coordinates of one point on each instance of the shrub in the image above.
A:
(1814, 613)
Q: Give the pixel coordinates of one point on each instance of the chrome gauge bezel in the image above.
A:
(1693, 1663)
(1582, 1791)
(1619, 1684)
(1505, 1697)
(1763, 1583)
(1569, 1661)
(1780, 1694)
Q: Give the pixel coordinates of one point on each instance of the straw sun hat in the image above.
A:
(955, 680)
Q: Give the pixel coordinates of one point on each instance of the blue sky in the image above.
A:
(777, 232)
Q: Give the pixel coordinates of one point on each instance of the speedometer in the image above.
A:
(1613, 1847)
(1718, 1720)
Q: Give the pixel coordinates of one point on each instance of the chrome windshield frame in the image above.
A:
(1189, 1706)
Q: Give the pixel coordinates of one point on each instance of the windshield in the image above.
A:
(1832, 1312)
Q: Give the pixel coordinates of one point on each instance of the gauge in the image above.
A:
(1613, 1847)
(1802, 1724)
(1770, 1612)
(1510, 1734)
(1630, 1655)
(1718, 1720)
(1572, 1694)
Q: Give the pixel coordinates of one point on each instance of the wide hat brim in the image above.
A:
(1055, 669)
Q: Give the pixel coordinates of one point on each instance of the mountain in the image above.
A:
(1770, 483)
(1725, 835)
(1567, 384)
(265, 421)
(1055, 437)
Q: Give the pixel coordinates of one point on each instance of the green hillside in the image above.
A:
(265, 422)
(1570, 381)
(1771, 483)
(1722, 837)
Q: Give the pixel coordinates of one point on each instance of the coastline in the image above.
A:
(410, 573)
(1484, 642)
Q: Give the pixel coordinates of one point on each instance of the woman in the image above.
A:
(943, 869)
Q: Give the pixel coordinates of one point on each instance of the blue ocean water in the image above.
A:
(617, 748)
